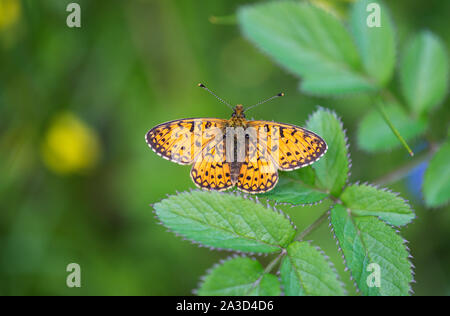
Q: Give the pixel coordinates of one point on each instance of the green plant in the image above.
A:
(331, 61)
(316, 46)
(361, 216)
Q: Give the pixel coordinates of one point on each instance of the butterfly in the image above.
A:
(241, 153)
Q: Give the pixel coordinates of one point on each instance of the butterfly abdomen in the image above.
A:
(236, 164)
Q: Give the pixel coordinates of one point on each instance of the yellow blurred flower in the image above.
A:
(9, 13)
(70, 146)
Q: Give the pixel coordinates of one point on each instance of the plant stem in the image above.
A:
(313, 226)
(273, 263)
(268, 269)
(389, 96)
(392, 127)
(406, 169)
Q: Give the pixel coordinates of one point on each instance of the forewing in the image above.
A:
(289, 146)
(181, 141)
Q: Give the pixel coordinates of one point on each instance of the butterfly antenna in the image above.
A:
(281, 94)
(201, 85)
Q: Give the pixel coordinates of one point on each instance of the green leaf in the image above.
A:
(332, 169)
(367, 243)
(225, 221)
(289, 279)
(376, 45)
(306, 271)
(375, 135)
(239, 276)
(308, 42)
(268, 286)
(436, 185)
(424, 72)
(365, 200)
(296, 188)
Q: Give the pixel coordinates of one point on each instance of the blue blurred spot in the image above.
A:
(415, 179)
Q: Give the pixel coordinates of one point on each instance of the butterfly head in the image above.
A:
(238, 112)
(238, 117)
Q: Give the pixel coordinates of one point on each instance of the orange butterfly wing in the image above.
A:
(257, 176)
(212, 172)
(181, 141)
(201, 142)
(290, 147)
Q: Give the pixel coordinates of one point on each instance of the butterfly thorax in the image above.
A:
(238, 117)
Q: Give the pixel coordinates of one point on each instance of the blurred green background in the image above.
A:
(77, 178)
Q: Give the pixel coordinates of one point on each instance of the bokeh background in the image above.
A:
(77, 178)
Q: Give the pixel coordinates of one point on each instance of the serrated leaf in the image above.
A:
(424, 72)
(296, 188)
(308, 42)
(436, 185)
(239, 276)
(268, 286)
(368, 243)
(306, 272)
(290, 280)
(364, 200)
(332, 169)
(225, 221)
(375, 135)
(376, 45)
